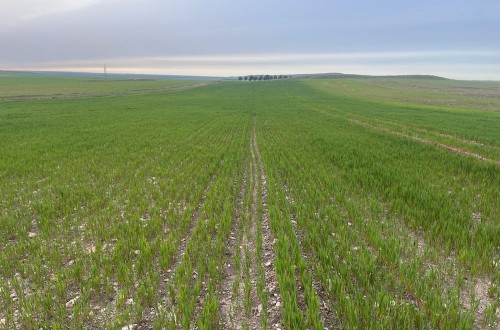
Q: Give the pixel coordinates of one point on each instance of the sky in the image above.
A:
(453, 38)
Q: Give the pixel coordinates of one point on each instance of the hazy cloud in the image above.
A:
(38, 33)
(15, 12)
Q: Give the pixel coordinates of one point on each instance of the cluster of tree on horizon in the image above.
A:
(263, 77)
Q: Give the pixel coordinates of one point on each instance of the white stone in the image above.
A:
(71, 303)
(129, 327)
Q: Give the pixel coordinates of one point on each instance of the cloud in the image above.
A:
(14, 12)
(236, 37)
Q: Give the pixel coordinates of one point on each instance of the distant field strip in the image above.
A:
(100, 94)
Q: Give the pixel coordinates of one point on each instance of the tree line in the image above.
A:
(263, 77)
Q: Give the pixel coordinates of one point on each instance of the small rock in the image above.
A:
(130, 301)
(3, 322)
(71, 262)
(268, 264)
(259, 309)
(72, 302)
(129, 327)
(137, 252)
(32, 234)
(278, 304)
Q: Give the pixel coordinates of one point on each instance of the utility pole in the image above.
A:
(105, 73)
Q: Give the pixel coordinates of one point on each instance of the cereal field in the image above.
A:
(306, 203)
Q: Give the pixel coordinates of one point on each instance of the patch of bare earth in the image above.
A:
(447, 266)
(478, 289)
(271, 285)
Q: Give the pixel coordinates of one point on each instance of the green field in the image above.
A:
(358, 203)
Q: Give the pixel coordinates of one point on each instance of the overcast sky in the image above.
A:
(453, 38)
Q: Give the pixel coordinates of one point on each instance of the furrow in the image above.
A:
(325, 312)
(165, 277)
(230, 300)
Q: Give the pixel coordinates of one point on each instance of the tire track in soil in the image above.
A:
(232, 304)
(325, 313)
(460, 151)
(271, 284)
(229, 303)
(456, 150)
(255, 318)
(409, 127)
(147, 321)
(231, 248)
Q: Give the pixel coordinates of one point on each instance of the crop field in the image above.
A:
(337, 203)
